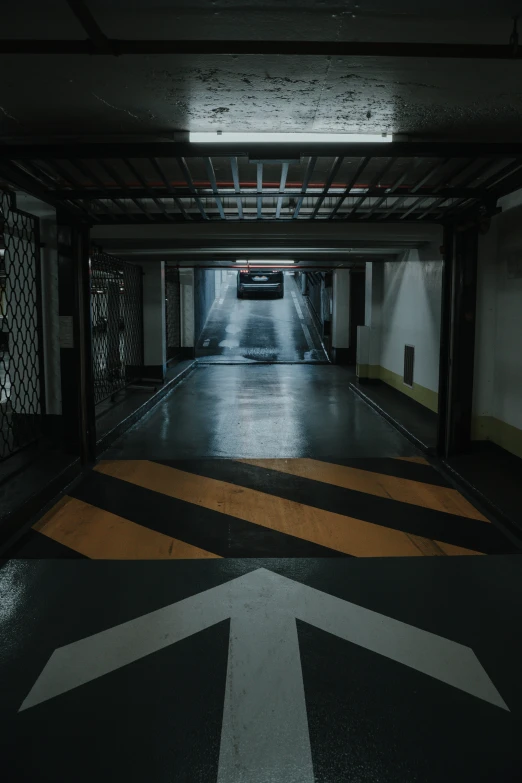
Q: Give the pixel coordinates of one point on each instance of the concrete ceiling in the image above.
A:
(158, 96)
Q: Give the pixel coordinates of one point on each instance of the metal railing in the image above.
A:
(21, 344)
(117, 324)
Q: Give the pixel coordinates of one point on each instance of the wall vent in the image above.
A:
(409, 355)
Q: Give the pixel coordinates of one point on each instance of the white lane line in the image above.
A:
(308, 337)
(298, 307)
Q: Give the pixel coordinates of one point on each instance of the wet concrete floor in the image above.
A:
(263, 411)
(332, 609)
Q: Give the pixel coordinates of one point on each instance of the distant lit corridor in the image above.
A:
(260, 328)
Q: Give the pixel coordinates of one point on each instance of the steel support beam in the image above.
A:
(237, 188)
(160, 218)
(359, 170)
(259, 190)
(153, 192)
(213, 184)
(99, 40)
(327, 185)
(148, 191)
(74, 291)
(282, 186)
(175, 149)
(188, 179)
(324, 48)
(307, 177)
(113, 174)
(457, 344)
(170, 190)
(376, 179)
(19, 178)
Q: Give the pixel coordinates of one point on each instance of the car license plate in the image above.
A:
(260, 279)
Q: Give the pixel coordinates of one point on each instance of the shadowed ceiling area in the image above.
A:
(154, 95)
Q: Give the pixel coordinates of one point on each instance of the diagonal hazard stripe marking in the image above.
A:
(403, 517)
(99, 534)
(444, 499)
(415, 460)
(336, 531)
(202, 527)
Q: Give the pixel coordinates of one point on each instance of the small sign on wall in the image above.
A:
(66, 331)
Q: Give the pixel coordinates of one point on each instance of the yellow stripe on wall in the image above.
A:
(336, 531)
(404, 490)
(101, 535)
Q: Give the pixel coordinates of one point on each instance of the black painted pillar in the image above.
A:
(459, 292)
(75, 338)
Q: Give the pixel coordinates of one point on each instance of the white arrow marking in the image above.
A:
(265, 727)
(264, 739)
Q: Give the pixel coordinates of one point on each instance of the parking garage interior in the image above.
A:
(260, 409)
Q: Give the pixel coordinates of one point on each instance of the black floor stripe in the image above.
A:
(35, 546)
(414, 471)
(419, 521)
(218, 533)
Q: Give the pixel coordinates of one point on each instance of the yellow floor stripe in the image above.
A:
(344, 534)
(101, 535)
(417, 460)
(415, 493)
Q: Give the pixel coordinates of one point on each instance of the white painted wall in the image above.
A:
(411, 313)
(373, 311)
(498, 340)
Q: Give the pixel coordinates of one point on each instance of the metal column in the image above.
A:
(75, 338)
(459, 290)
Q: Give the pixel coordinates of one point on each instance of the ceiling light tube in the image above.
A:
(272, 262)
(217, 137)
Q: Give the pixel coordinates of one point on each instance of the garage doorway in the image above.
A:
(252, 323)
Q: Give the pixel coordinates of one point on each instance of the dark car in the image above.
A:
(260, 281)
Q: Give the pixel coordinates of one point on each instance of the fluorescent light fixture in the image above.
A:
(273, 262)
(285, 138)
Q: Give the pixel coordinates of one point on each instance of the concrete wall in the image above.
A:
(497, 403)
(411, 312)
(204, 296)
(403, 307)
(186, 298)
(341, 313)
(154, 343)
(313, 291)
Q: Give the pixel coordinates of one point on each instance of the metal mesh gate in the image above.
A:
(21, 360)
(117, 324)
(172, 311)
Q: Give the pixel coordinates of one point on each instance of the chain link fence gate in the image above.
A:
(117, 324)
(21, 343)
(172, 311)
